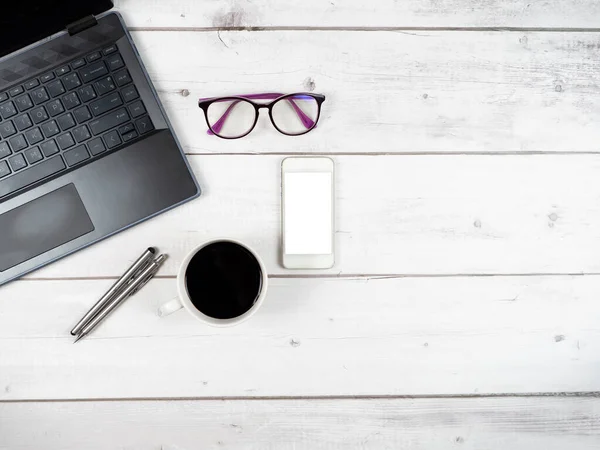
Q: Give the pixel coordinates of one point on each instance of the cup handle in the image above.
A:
(170, 307)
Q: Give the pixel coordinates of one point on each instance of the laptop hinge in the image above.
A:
(81, 24)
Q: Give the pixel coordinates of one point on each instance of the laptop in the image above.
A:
(86, 149)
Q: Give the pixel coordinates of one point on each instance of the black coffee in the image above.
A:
(223, 280)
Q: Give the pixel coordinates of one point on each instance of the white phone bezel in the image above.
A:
(307, 164)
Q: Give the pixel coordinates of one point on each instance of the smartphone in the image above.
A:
(308, 213)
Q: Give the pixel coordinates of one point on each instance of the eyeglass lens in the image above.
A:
(295, 114)
(231, 118)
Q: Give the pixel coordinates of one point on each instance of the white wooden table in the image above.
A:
(463, 309)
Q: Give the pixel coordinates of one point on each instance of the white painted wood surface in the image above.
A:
(433, 424)
(390, 92)
(364, 336)
(357, 13)
(467, 233)
(395, 215)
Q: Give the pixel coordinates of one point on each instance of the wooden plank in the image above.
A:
(390, 92)
(357, 13)
(407, 336)
(481, 423)
(395, 215)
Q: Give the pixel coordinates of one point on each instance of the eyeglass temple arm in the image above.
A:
(306, 121)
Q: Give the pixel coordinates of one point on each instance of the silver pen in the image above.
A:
(140, 264)
(146, 275)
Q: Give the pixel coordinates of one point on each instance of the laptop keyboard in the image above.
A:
(68, 117)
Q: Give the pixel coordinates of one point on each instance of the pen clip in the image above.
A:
(143, 283)
(140, 270)
(133, 278)
(157, 263)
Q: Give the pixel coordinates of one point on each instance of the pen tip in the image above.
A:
(78, 338)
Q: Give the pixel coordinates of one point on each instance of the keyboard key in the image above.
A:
(22, 122)
(129, 136)
(129, 93)
(115, 62)
(36, 173)
(81, 133)
(40, 95)
(47, 77)
(33, 155)
(71, 100)
(49, 148)
(77, 64)
(122, 77)
(76, 155)
(62, 70)
(105, 85)
(31, 84)
(82, 114)
(93, 71)
(112, 139)
(55, 88)
(8, 110)
(34, 136)
(110, 49)
(126, 129)
(106, 104)
(17, 163)
(4, 150)
(96, 146)
(4, 170)
(17, 143)
(65, 141)
(87, 93)
(24, 102)
(50, 129)
(109, 121)
(7, 129)
(16, 91)
(39, 114)
(137, 109)
(3, 97)
(55, 108)
(71, 81)
(94, 57)
(65, 122)
(144, 125)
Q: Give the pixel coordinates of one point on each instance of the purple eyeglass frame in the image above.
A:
(204, 104)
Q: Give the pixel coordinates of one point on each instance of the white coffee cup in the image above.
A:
(184, 301)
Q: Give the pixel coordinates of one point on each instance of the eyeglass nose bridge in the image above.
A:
(259, 107)
(260, 118)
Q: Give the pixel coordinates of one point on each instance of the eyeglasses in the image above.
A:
(236, 116)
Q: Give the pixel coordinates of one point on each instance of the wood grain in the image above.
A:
(436, 424)
(358, 13)
(395, 215)
(313, 337)
(389, 92)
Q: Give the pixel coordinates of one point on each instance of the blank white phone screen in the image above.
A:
(307, 213)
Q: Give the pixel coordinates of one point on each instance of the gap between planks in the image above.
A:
(391, 29)
(435, 153)
(351, 276)
(591, 394)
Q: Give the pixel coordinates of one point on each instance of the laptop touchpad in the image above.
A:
(41, 225)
